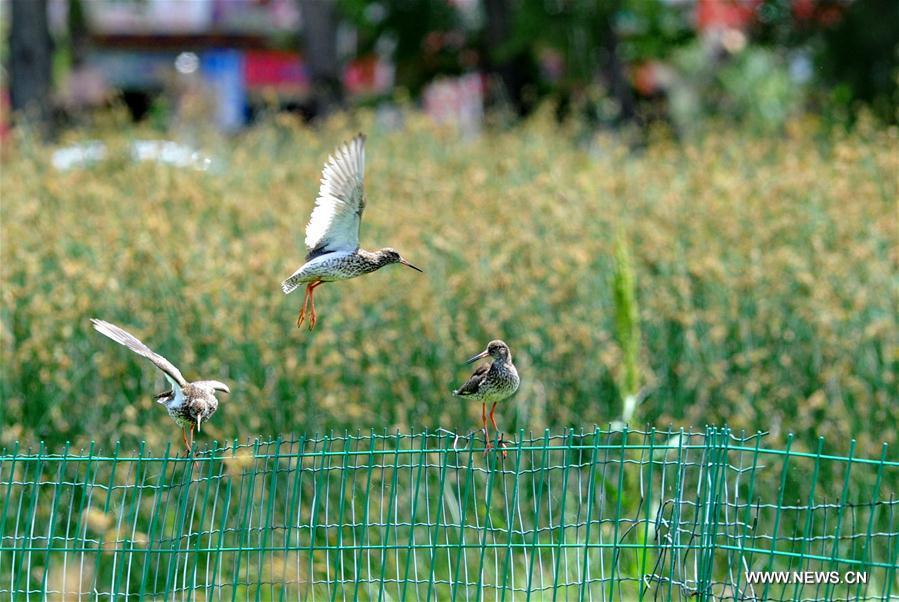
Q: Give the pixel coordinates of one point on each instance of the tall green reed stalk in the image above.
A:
(627, 328)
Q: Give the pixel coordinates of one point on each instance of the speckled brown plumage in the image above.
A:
(332, 235)
(491, 383)
(190, 404)
(198, 405)
(331, 267)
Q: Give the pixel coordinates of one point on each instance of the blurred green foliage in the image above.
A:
(753, 89)
(414, 33)
(854, 47)
(575, 53)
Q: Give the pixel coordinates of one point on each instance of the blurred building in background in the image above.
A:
(246, 53)
(623, 61)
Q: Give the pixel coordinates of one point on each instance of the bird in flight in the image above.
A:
(332, 235)
(189, 403)
(491, 383)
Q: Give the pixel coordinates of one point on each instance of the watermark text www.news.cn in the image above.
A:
(806, 577)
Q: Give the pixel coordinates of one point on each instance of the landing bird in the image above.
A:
(491, 383)
(332, 235)
(189, 404)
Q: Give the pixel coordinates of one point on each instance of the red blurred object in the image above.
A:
(730, 14)
(279, 70)
(826, 14)
(4, 114)
(830, 15)
(368, 75)
(644, 78)
(803, 9)
(651, 77)
(360, 74)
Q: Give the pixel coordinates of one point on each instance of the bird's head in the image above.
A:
(388, 256)
(496, 349)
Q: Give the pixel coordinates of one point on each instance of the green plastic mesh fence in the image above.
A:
(602, 515)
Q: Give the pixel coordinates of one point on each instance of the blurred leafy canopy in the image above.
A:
(854, 46)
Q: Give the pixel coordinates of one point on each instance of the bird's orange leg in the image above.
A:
(302, 315)
(190, 446)
(496, 428)
(184, 436)
(487, 446)
(313, 318)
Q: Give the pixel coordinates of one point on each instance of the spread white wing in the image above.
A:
(130, 341)
(334, 225)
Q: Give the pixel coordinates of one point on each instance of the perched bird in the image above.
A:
(491, 383)
(189, 404)
(332, 235)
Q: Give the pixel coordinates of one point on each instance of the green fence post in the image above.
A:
(511, 517)
(366, 531)
(836, 535)
(439, 513)
(615, 542)
(27, 550)
(217, 561)
(244, 531)
(463, 505)
(272, 491)
(566, 455)
(718, 466)
(8, 496)
(491, 470)
(410, 550)
(591, 493)
(874, 495)
(647, 502)
(50, 522)
(747, 565)
(153, 520)
(892, 564)
(292, 507)
(675, 514)
(386, 539)
(809, 512)
(210, 464)
(536, 523)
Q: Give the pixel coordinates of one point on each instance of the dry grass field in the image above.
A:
(765, 271)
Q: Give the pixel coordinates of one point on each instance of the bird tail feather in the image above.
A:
(290, 285)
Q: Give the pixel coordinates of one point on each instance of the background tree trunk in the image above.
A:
(613, 68)
(30, 59)
(320, 41)
(514, 69)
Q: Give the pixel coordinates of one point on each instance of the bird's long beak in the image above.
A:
(407, 264)
(477, 357)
